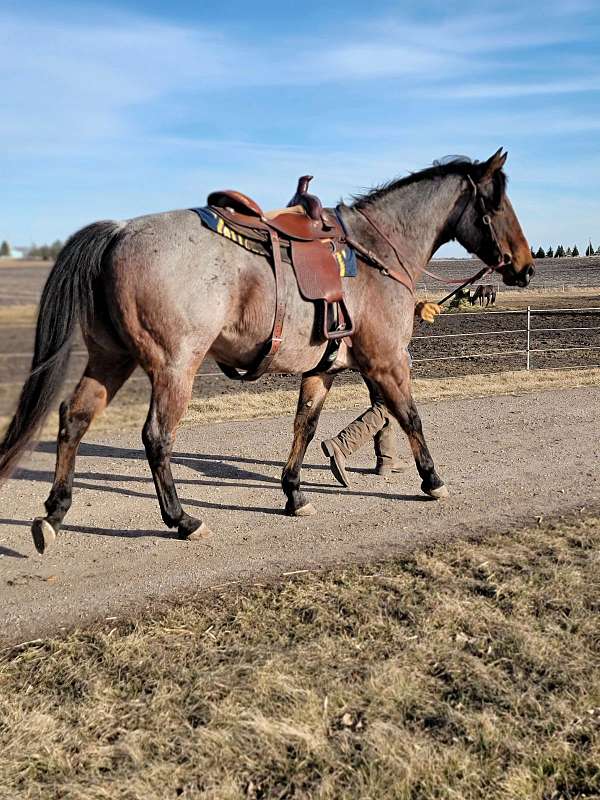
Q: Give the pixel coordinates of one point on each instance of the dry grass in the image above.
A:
(257, 405)
(283, 402)
(18, 316)
(251, 406)
(468, 671)
(24, 262)
(523, 297)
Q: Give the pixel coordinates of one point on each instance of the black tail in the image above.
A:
(67, 298)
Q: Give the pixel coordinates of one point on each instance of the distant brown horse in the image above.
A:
(164, 292)
(484, 292)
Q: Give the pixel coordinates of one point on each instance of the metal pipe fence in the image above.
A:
(530, 330)
(529, 351)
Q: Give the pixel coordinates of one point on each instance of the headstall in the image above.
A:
(407, 278)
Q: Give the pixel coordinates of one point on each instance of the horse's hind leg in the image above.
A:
(171, 393)
(103, 377)
(313, 391)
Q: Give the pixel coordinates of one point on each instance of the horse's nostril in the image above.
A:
(531, 271)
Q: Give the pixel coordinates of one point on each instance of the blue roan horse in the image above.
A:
(163, 292)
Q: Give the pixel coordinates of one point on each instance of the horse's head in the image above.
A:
(488, 226)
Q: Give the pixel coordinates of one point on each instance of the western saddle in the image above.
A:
(312, 239)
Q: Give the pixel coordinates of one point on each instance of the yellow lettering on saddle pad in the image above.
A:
(341, 256)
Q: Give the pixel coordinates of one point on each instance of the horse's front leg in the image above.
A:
(394, 385)
(313, 391)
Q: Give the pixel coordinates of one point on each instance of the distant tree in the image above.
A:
(598, 252)
(575, 252)
(532, 253)
(550, 252)
(540, 253)
(560, 252)
(55, 248)
(4, 249)
(569, 251)
(45, 251)
(589, 251)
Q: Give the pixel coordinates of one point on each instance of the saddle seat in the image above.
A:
(312, 238)
(292, 222)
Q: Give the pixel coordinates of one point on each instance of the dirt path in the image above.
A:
(506, 460)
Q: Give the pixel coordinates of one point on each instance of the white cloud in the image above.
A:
(85, 101)
(496, 90)
(66, 83)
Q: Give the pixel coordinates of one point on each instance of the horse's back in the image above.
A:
(166, 280)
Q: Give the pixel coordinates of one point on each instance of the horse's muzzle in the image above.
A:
(513, 278)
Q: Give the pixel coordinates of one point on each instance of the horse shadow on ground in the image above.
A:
(216, 471)
(105, 485)
(133, 533)
(8, 552)
(208, 464)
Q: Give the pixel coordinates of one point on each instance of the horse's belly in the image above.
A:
(300, 349)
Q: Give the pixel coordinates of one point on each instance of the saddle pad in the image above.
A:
(317, 271)
(345, 256)
(217, 224)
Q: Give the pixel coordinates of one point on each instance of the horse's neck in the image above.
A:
(415, 218)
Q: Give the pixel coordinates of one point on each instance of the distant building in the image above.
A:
(13, 252)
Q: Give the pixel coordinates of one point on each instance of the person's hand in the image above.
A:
(428, 311)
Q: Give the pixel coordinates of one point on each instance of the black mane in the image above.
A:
(450, 165)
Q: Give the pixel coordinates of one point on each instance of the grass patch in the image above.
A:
(533, 296)
(275, 403)
(18, 316)
(467, 671)
(340, 398)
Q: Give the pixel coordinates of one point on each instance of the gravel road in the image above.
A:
(506, 460)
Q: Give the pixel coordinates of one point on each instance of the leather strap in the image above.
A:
(409, 280)
(269, 351)
(370, 258)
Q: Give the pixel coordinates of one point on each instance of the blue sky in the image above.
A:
(111, 111)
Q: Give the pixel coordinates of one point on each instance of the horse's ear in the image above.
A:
(494, 164)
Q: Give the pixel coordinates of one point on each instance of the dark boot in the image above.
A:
(337, 461)
(386, 449)
(351, 438)
(386, 468)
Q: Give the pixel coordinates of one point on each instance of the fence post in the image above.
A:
(528, 336)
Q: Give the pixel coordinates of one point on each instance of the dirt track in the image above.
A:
(506, 460)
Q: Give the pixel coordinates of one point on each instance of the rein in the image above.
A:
(386, 238)
(374, 260)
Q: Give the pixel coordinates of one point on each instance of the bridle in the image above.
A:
(406, 278)
(486, 220)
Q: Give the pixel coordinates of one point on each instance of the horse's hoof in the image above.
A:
(307, 510)
(43, 534)
(438, 494)
(200, 534)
